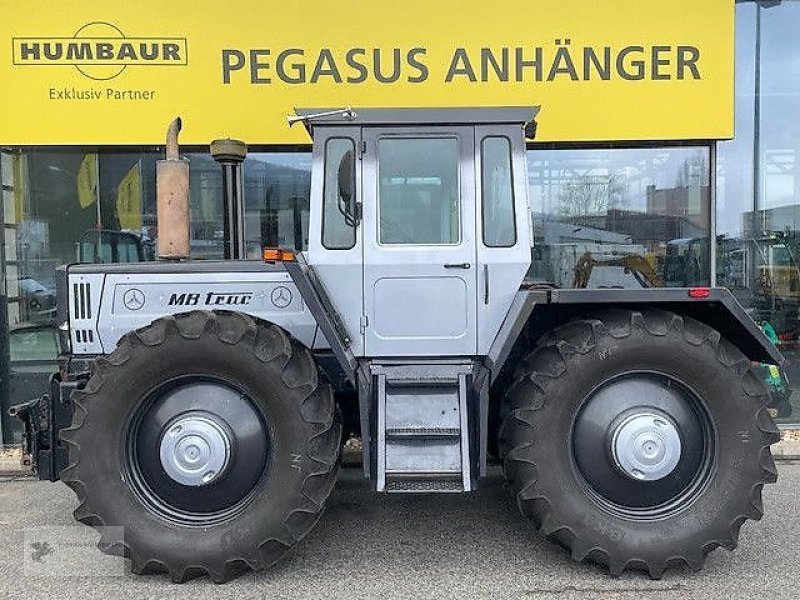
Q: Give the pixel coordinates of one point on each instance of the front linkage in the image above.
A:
(42, 420)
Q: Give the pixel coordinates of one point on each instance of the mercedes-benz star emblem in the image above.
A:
(281, 297)
(133, 299)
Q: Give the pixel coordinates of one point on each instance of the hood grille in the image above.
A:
(82, 300)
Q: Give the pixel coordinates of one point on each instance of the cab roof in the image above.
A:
(417, 116)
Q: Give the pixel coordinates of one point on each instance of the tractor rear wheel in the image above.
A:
(206, 443)
(638, 440)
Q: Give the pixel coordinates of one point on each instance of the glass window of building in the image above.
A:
(758, 188)
(277, 192)
(62, 206)
(621, 217)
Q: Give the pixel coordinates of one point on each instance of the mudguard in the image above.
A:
(536, 311)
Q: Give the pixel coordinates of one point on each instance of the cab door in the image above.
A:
(420, 276)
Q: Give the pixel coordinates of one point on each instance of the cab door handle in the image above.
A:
(486, 284)
(457, 266)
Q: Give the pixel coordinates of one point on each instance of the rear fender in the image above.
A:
(535, 312)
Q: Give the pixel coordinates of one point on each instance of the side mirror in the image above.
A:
(346, 180)
(346, 177)
(530, 129)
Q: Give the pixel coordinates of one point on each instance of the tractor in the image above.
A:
(200, 407)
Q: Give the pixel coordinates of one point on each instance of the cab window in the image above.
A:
(418, 191)
(497, 186)
(339, 215)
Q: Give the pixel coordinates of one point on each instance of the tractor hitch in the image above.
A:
(42, 420)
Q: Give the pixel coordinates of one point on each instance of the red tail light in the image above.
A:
(699, 292)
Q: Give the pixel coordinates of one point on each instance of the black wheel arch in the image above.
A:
(549, 309)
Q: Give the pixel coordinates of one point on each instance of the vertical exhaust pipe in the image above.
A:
(230, 154)
(172, 199)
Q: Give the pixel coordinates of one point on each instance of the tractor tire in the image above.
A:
(638, 440)
(206, 443)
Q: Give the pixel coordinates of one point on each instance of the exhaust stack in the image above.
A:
(172, 199)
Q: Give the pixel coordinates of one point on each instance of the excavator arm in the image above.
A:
(635, 264)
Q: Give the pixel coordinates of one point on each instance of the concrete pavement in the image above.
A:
(371, 546)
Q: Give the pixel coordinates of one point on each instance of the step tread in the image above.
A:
(424, 485)
(423, 431)
(422, 372)
(427, 474)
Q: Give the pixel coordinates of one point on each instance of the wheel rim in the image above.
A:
(197, 449)
(644, 444)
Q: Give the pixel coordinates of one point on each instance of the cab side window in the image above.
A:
(497, 187)
(339, 215)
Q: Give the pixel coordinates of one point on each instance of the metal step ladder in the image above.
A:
(422, 427)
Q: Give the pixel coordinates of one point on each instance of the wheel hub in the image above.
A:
(646, 446)
(640, 441)
(195, 449)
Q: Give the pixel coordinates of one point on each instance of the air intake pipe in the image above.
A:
(172, 199)
(230, 154)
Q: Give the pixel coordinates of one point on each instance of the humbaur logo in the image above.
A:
(100, 51)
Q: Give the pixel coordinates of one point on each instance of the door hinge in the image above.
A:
(363, 324)
(363, 148)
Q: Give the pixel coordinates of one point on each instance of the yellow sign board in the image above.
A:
(92, 72)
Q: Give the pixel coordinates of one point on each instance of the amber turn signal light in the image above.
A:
(277, 255)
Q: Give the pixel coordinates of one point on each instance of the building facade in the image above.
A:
(605, 212)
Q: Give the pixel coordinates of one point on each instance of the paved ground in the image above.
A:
(404, 547)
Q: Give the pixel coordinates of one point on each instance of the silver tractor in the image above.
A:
(202, 405)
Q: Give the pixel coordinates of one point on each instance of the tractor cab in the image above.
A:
(420, 224)
(419, 241)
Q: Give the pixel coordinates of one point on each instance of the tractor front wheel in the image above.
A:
(206, 443)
